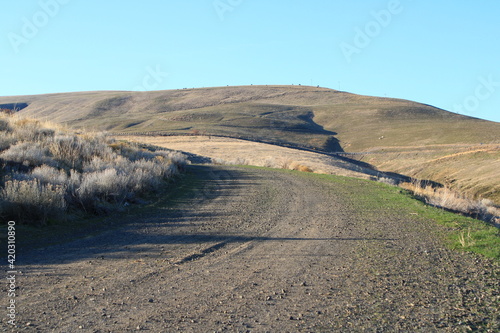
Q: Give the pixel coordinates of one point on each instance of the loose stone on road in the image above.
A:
(260, 251)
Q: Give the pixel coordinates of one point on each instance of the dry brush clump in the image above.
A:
(444, 197)
(287, 164)
(387, 180)
(48, 171)
(32, 200)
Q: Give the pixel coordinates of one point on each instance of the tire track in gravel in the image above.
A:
(259, 251)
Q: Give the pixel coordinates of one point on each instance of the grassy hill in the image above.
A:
(402, 136)
(304, 115)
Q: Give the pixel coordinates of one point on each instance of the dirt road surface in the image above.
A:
(258, 251)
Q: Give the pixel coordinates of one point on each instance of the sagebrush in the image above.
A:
(48, 170)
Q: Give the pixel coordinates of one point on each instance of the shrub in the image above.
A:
(299, 167)
(387, 180)
(141, 181)
(4, 126)
(48, 170)
(49, 175)
(6, 140)
(116, 181)
(98, 164)
(304, 168)
(31, 130)
(174, 157)
(106, 185)
(285, 164)
(73, 151)
(141, 154)
(30, 200)
(29, 154)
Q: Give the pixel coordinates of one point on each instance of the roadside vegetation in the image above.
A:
(474, 233)
(471, 169)
(444, 197)
(50, 173)
(458, 232)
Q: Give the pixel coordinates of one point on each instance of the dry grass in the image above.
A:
(299, 167)
(466, 240)
(32, 200)
(445, 197)
(268, 163)
(241, 152)
(470, 169)
(304, 168)
(388, 181)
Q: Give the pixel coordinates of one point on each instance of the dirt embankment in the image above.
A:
(259, 251)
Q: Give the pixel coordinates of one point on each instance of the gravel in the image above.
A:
(259, 251)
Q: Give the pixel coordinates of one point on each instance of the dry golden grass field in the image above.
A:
(242, 152)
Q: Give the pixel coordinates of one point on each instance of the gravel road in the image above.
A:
(259, 251)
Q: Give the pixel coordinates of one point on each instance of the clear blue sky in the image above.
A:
(444, 53)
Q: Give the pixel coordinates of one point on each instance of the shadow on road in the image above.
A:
(182, 220)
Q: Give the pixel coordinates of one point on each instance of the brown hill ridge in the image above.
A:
(298, 114)
(401, 136)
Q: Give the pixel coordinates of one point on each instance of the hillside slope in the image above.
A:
(398, 135)
(318, 117)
